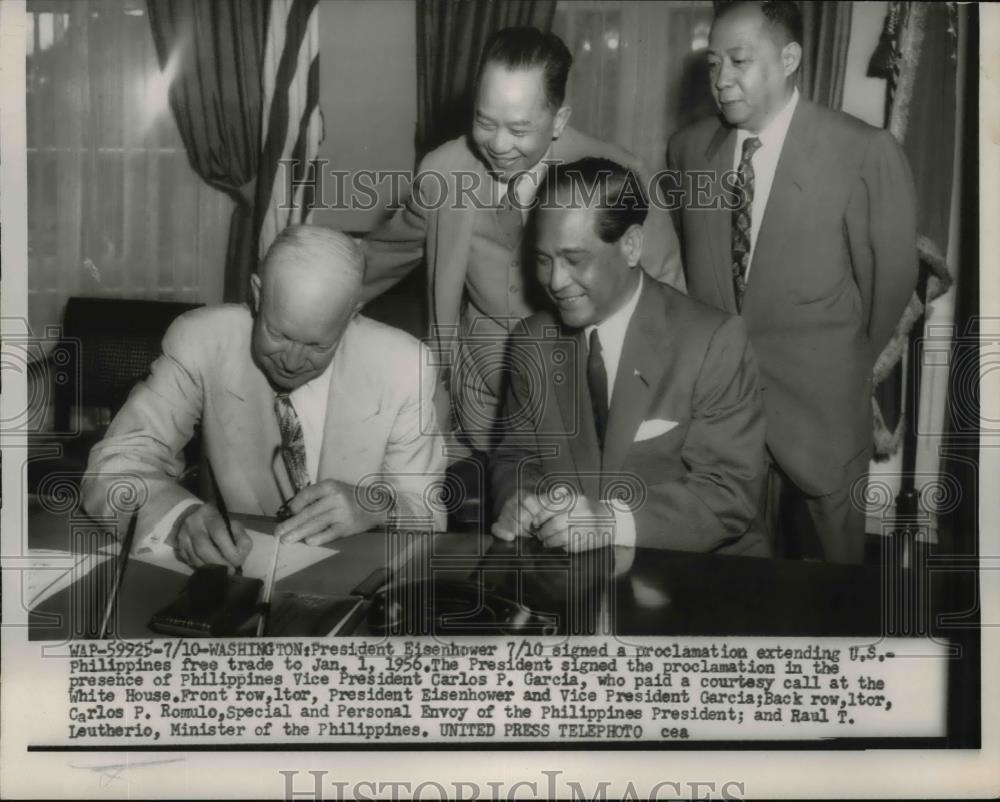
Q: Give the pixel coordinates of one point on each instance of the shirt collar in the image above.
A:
(611, 330)
(774, 132)
(526, 189)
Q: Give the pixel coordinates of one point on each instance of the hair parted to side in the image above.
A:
(783, 16)
(524, 48)
(318, 245)
(614, 190)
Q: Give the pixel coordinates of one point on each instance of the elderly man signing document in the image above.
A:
(302, 402)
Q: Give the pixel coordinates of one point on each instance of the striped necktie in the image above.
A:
(293, 443)
(743, 220)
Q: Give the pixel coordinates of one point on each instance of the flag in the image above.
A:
(291, 121)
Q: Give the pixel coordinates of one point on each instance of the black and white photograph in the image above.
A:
(499, 399)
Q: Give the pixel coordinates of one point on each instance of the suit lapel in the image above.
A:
(640, 370)
(784, 203)
(252, 431)
(718, 220)
(347, 405)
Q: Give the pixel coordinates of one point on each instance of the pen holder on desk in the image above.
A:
(212, 604)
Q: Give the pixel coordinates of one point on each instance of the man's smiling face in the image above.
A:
(587, 278)
(514, 124)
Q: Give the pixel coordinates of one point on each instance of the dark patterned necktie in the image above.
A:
(597, 382)
(509, 215)
(743, 220)
(293, 443)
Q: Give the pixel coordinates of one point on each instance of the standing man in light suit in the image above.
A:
(815, 249)
(644, 392)
(300, 400)
(466, 214)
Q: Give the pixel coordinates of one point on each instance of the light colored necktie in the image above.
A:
(743, 221)
(293, 443)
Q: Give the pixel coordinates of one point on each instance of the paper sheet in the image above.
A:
(47, 571)
(293, 557)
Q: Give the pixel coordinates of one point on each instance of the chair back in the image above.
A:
(114, 342)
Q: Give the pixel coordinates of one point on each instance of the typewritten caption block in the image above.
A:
(427, 690)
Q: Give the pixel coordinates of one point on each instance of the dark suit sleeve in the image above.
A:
(397, 246)
(882, 233)
(716, 502)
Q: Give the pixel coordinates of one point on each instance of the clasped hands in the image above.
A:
(579, 525)
(321, 512)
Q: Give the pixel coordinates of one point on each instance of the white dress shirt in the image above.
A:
(765, 163)
(611, 332)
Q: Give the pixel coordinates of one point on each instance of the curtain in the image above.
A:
(918, 57)
(451, 35)
(639, 70)
(113, 207)
(211, 54)
(826, 32)
(960, 451)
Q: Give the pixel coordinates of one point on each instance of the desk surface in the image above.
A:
(607, 591)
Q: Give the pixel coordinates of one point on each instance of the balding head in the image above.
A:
(307, 292)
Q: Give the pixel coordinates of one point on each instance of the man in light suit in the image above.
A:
(810, 235)
(300, 401)
(465, 217)
(632, 403)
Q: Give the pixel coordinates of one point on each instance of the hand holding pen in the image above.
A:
(205, 537)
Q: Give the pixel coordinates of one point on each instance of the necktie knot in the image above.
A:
(510, 199)
(595, 343)
(750, 146)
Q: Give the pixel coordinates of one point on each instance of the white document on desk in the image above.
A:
(45, 572)
(155, 550)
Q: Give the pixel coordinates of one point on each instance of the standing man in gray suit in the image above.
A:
(811, 237)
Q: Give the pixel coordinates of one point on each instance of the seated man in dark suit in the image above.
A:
(630, 404)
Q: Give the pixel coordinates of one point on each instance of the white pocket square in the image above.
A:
(649, 429)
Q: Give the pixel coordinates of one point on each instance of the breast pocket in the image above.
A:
(658, 458)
